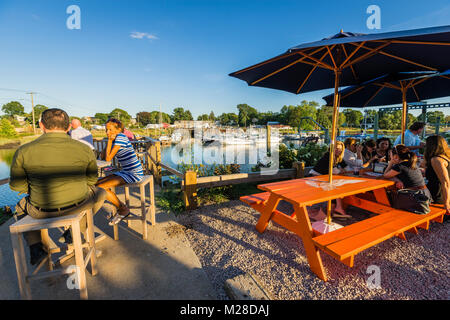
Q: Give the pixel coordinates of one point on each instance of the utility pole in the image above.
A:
(160, 119)
(32, 111)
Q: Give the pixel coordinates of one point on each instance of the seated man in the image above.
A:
(81, 134)
(59, 176)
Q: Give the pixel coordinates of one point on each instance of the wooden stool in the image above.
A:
(146, 180)
(30, 224)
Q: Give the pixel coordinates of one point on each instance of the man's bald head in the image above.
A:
(76, 123)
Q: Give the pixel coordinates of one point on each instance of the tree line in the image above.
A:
(292, 115)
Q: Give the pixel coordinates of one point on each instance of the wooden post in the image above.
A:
(375, 125)
(190, 190)
(158, 169)
(154, 152)
(299, 166)
(268, 138)
(437, 125)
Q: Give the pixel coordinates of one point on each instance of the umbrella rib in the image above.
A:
(389, 85)
(352, 92)
(415, 92)
(371, 98)
(402, 59)
(351, 54)
(281, 69)
(347, 57)
(321, 64)
(366, 55)
(331, 56)
(274, 59)
(310, 73)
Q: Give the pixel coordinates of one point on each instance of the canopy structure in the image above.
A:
(401, 87)
(347, 59)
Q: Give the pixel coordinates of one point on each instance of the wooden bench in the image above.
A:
(256, 200)
(343, 244)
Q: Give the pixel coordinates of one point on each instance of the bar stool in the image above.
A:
(30, 224)
(146, 180)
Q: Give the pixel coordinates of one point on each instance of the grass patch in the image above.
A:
(170, 199)
(223, 194)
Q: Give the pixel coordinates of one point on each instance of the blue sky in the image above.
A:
(137, 55)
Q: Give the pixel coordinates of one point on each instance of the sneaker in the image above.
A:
(37, 253)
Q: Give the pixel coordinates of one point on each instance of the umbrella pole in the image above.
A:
(404, 113)
(337, 75)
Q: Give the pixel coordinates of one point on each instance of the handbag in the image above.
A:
(412, 200)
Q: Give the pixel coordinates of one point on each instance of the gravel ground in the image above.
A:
(226, 242)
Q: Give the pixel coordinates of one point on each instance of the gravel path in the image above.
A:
(226, 242)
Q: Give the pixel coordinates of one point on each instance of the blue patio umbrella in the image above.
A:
(401, 87)
(347, 59)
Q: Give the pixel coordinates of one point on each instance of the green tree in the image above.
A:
(13, 108)
(203, 117)
(353, 117)
(246, 113)
(291, 115)
(121, 115)
(7, 129)
(324, 116)
(102, 117)
(38, 109)
(227, 119)
(181, 114)
(433, 115)
(212, 117)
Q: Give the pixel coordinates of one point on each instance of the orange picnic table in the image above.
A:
(344, 243)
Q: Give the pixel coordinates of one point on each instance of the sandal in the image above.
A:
(337, 214)
(118, 217)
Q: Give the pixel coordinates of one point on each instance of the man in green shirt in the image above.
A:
(59, 176)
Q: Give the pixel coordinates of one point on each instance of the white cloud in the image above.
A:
(143, 35)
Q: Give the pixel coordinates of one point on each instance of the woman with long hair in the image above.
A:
(322, 167)
(403, 168)
(368, 153)
(437, 162)
(384, 145)
(119, 146)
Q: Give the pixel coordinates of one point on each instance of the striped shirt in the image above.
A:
(127, 158)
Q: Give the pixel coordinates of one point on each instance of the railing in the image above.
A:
(4, 181)
(191, 183)
(148, 151)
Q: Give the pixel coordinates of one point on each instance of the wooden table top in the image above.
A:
(102, 163)
(312, 190)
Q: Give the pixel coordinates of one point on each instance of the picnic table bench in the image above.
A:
(344, 243)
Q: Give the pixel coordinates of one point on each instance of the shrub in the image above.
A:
(311, 153)
(7, 129)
